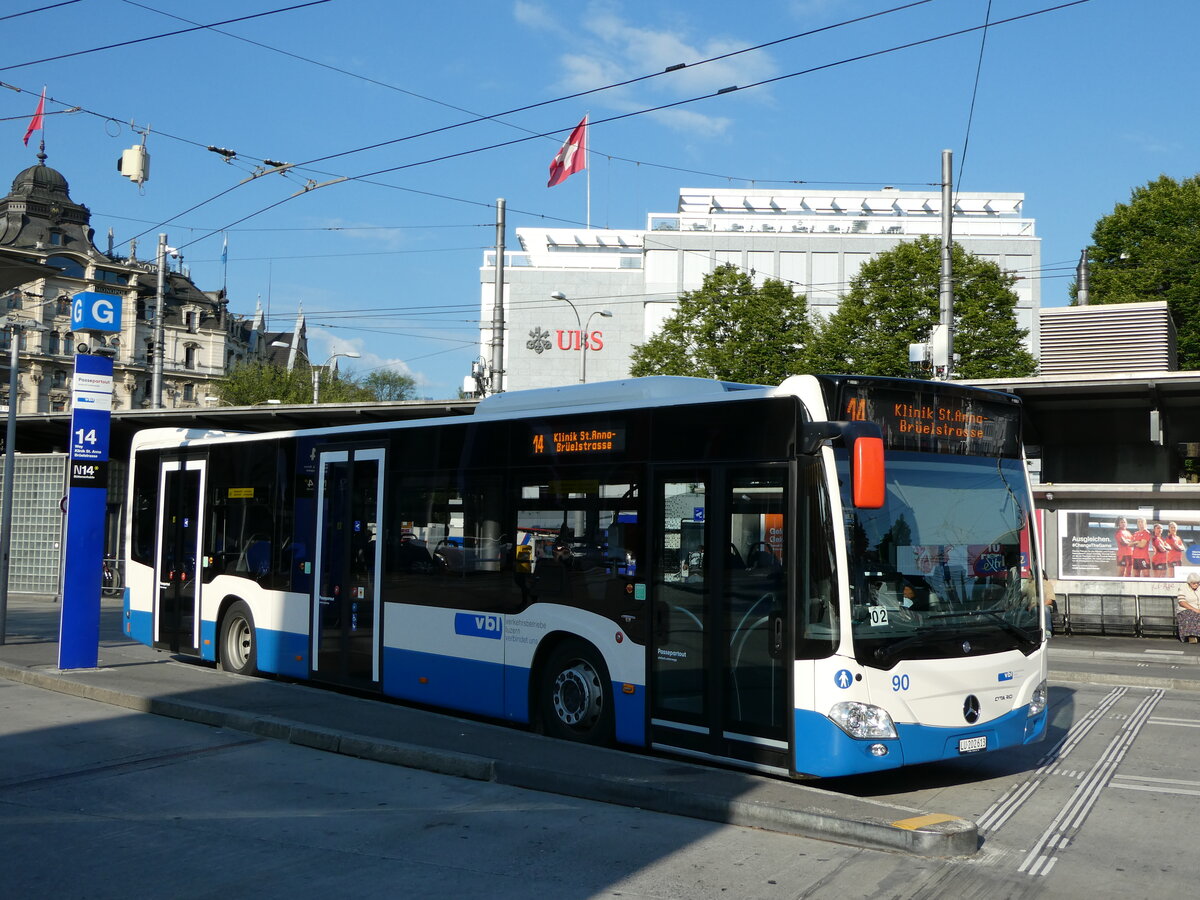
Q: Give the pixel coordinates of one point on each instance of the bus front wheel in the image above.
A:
(575, 700)
(239, 651)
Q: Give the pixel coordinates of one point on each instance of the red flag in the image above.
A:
(572, 156)
(36, 122)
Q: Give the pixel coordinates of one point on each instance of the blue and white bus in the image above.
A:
(831, 576)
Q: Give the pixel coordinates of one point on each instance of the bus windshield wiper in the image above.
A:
(996, 617)
(888, 653)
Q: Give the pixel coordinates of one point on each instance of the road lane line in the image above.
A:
(1016, 796)
(1061, 831)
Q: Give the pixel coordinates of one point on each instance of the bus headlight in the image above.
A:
(1037, 702)
(862, 720)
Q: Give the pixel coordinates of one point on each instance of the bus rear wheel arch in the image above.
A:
(237, 646)
(574, 694)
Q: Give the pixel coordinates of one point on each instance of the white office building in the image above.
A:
(814, 240)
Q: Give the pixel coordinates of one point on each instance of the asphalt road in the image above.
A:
(97, 801)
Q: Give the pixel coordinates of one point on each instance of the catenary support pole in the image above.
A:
(160, 334)
(496, 380)
(10, 450)
(946, 287)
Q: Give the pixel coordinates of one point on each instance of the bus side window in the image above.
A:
(143, 518)
(817, 626)
(585, 534)
(443, 542)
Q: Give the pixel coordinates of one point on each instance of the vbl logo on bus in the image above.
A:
(478, 625)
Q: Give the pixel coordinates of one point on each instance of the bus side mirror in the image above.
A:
(867, 472)
(865, 443)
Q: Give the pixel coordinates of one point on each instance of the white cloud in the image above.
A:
(534, 15)
(1149, 143)
(323, 344)
(806, 9)
(607, 47)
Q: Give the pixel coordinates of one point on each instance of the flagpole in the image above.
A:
(587, 149)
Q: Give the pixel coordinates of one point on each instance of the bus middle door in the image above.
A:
(180, 525)
(346, 607)
(720, 634)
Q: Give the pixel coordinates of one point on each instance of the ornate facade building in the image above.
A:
(42, 228)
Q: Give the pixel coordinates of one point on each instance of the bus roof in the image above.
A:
(647, 391)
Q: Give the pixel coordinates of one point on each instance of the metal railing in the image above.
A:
(1136, 615)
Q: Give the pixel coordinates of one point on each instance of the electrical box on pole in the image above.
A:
(134, 163)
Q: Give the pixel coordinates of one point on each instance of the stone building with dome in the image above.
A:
(48, 254)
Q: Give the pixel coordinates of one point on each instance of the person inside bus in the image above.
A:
(897, 593)
(946, 581)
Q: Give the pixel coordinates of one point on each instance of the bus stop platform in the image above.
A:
(141, 679)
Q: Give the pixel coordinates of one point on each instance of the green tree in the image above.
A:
(893, 302)
(257, 382)
(386, 384)
(1149, 249)
(730, 330)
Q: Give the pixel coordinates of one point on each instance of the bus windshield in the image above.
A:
(945, 568)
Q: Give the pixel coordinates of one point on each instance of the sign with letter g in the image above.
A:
(95, 312)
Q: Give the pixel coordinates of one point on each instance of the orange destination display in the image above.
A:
(937, 419)
(586, 440)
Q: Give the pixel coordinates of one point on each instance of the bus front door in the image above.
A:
(177, 612)
(720, 637)
(346, 606)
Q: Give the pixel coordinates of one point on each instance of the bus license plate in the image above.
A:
(972, 745)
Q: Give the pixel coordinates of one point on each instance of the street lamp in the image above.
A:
(349, 354)
(559, 295)
(14, 326)
(316, 372)
(582, 330)
(587, 329)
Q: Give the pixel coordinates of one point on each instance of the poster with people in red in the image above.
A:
(1101, 545)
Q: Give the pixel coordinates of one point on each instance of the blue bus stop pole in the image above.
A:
(87, 490)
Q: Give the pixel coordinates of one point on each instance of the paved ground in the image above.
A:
(136, 677)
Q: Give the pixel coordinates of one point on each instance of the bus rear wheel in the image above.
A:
(239, 650)
(575, 700)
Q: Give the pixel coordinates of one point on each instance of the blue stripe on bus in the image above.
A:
(825, 750)
(630, 712)
(282, 652)
(279, 652)
(463, 684)
(139, 624)
(516, 694)
(490, 689)
(208, 640)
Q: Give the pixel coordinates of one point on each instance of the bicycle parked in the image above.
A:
(111, 582)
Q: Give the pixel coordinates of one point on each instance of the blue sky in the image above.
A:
(1074, 108)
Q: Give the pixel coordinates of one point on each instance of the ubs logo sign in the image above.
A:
(539, 340)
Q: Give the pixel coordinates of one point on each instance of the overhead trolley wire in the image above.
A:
(962, 162)
(155, 37)
(30, 12)
(858, 58)
(306, 165)
(618, 84)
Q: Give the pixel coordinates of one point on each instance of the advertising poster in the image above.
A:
(1116, 545)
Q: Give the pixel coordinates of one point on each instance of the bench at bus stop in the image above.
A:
(1136, 615)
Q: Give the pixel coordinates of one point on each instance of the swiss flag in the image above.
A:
(572, 156)
(36, 122)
